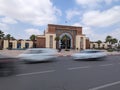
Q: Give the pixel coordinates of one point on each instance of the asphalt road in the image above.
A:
(66, 74)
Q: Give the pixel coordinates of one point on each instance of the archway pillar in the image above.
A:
(80, 42)
(48, 41)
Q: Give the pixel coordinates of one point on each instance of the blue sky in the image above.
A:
(99, 18)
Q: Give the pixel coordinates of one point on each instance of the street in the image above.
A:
(66, 74)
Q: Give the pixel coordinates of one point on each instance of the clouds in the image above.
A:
(102, 19)
(3, 27)
(93, 36)
(94, 2)
(37, 12)
(98, 23)
(27, 16)
(87, 2)
(71, 13)
(115, 33)
(33, 31)
(8, 20)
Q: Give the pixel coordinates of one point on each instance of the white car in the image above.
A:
(38, 54)
(89, 54)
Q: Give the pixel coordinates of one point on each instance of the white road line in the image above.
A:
(106, 65)
(36, 73)
(78, 67)
(104, 86)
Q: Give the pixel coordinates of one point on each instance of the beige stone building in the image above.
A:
(17, 44)
(75, 37)
(94, 45)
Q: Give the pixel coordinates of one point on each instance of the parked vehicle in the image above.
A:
(89, 54)
(38, 54)
(7, 65)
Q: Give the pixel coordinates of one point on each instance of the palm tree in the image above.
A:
(12, 38)
(114, 40)
(118, 45)
(109, 39)
(65, 38)
(1, 34)
(99, 42)
(33, 38)
(1, 39)
(57, 41)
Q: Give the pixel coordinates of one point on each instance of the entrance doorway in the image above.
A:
(65, 41)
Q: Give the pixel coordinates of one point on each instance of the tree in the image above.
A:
(65, 38)
(33, 38)
(114, 40)
(1, 34)
(118, 46)
(1, 39)
(109, 39)
(12, 38)
(57, 41)
(99, 42)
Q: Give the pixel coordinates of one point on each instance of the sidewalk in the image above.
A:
(69, 53)
(12, 53)
(62, 53)
(113, 53)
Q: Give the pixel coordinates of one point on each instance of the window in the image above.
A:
(51, 41)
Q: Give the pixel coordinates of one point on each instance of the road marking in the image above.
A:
(25, 74)
(106, 65)
(78, 67)
(104, 86)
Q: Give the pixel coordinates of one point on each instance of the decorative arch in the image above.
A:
(69, 35)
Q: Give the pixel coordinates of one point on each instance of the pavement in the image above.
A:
(69, 53)
(66, 74)
(62, 53)
(11, 52)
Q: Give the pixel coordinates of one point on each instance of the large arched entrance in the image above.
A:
(65, 41)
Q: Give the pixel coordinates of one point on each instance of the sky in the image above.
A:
(98, 18)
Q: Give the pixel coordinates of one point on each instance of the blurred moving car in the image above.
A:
(89, 54)
(38, 54)
(7, 65)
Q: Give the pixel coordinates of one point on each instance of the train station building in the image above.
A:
(61, 36)
(55, 36)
